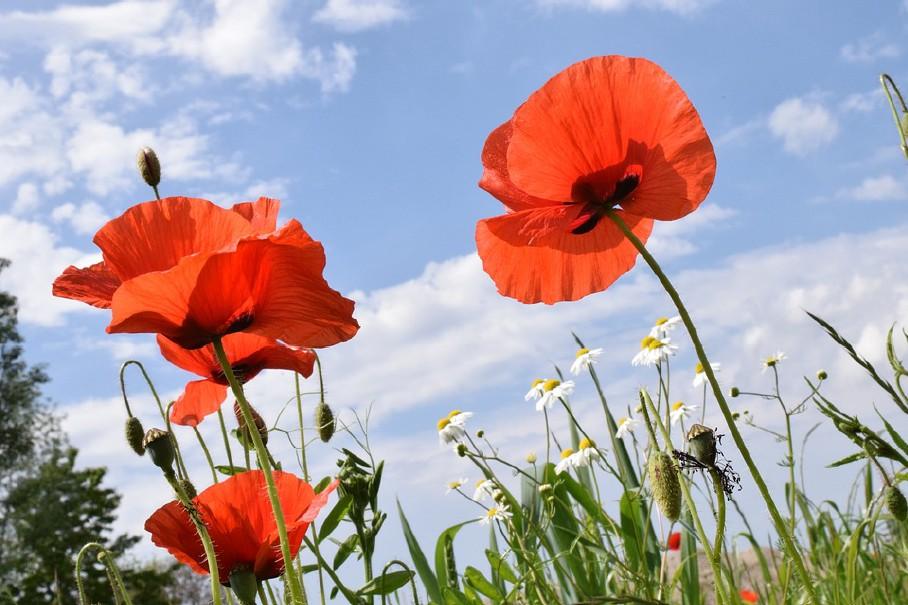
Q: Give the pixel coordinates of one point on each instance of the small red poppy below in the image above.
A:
(606, 135)
(749, 596)
(248, 355)
(674, 541)
(193, 271)
(239, 519)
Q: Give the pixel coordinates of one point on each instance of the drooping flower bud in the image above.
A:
(735, 391)
(244, 585)
(325, 422)
(149, 166)
(701, 444)
(242, 431)
(663, 476)
(895, 502)
(159, 446)
(134, 435)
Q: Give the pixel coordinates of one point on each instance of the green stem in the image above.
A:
(787, 538)
(720, 518)
(884, 78)
(114, 572)
(299, 412)
(293, 581)
(214, 473)
(226, 437)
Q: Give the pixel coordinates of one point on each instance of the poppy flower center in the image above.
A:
(241, 371)
(601, 191)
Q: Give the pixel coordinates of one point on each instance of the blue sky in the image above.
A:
(367, 117)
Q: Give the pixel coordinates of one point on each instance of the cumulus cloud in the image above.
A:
(877, 189)
(359, 15)
(27, 198)
(84, 218)
(674, 6)
(673, 239)
(869, 49)
(804, 125)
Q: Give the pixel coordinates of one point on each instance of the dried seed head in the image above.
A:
(325, 423)
(701, 444)
(243, 433)
(159, 446)
(663, 476)
(149, 166)
(895, 502)
(135, 434)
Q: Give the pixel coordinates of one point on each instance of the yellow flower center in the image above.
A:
(585, 444)
(622, 420)
(444, 422)
(492, 512)
(480, 482)
(677, 406)
(567, 453)
(550, 384)
(453, 413)
(582, 352)
(454, 484)
(536, 383)
(662, 321)
(647, 341)
(654, 344)
(698, 369)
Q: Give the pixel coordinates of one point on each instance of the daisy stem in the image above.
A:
(214, 473)
(293, 581)
(781, 528)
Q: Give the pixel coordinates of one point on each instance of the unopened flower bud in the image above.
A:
(735, 415)
(159, 446)
(149, 166)
(461, 450)
(245, 437)
(531, 458)
(822, 375)
(325, 423)
(545, 488)
(480, 434)
(666, 487)
(188, 488)
(499, 497)
(134, 435)
(735, 391)
(895, 502)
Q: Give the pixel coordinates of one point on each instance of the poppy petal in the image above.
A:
(495, 178)
(154, 236)
(531, 256)
(272, 355)
(171, 528)
(200, 362)
(269, 286)
(199, 399)
(262, 213)
(607, 111)
(94, 285)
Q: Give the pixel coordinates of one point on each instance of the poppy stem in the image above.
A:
(112, 571)
(293, 581)
(214, 473)
(781, 527)
(226, 438)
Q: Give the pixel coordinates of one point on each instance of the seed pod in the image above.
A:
(324, 422)
(135, 434)
(663, 476)
(149, 166)
(895, 502)
(243, 433)
(701, 444)
(159, 446)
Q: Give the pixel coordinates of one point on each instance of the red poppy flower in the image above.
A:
(239, 519)
(248, 355)
(749, 596)
(674, 541)
(193, 272)
(609, 133)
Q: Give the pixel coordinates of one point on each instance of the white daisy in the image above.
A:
(484, 487)
(700, 376)
(773, 360)
(451, 427)
(626, 425)
(499, 512)
(584, 359)
(664, 325)
(653, 350)
(455, 485)
(566, 462)
(586, 452)
(681, 410)
(536, 390)
(553, 390)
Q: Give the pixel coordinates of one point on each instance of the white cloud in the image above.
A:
(84, 219)
(863, 102)
(875, 189)
(358, 15)
(334, 73)
(32, 138)
(672, 239)
(674, 6)
(27, 198)
(869, 49)
(804, 125)
(37, 259)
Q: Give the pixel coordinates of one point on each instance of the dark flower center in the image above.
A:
(240, 371)
(599, 192)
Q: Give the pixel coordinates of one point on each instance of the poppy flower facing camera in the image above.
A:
(606, 135)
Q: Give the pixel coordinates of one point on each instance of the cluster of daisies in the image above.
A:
(484, 489)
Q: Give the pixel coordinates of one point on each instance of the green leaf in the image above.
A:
(478, 581)
(228, 470)
(894, 361)
(385, 583)
(442, 545)
(334, 517)
(321, 485)
(345, 549)
(690, 565)
(848, 459)
(896, 437)
(500, 567)
(309, 568)
(428, 579)
(583, 497)
(374, 484)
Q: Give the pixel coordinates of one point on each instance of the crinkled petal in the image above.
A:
(199, 399)
(171, 528)
(94, 285)
(495, 178)
(261, 214)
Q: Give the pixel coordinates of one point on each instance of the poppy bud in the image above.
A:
(663, 477)
(735, 391)
(822, 375)
(134, 435)
(244, 435)
(159, 446)
(149, 166)
(895, 502)
(188, 488)
(324, 421)
(244, 585)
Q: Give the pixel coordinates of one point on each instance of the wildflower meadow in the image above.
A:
(652, 472)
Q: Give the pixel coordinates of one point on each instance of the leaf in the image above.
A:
(690, 566)
(442, 545)
(334, 517)
(345, 549)
(848, 459)
(896, 437)
(374, 484)
(583, 497)
(228, 470)
(385, 583)
(428, 579)
(894, 361)
(321, 485)
(501, 567)
(478, 581)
